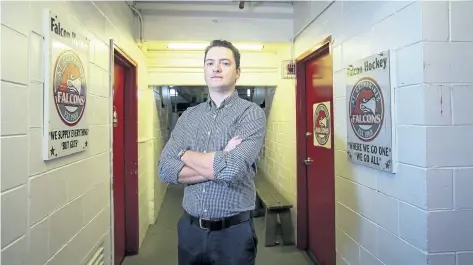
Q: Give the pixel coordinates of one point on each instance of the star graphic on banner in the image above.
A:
(86, 143)
(388, 164)
(52, 150)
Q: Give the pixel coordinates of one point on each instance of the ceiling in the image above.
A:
(236, 9)
(264, 21)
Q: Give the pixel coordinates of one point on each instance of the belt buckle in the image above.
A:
(200, 223)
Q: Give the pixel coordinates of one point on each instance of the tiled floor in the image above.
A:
(160, 244)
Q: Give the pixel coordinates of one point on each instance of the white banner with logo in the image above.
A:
(369, 122)
(322, 120)
(66, 86)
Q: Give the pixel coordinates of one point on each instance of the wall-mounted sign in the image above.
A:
(322, 124)
(369, 124)
(66, 51)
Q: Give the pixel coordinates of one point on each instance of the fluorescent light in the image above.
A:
(187, 46)
(202, 46)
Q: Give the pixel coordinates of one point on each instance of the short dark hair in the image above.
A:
(225, 44)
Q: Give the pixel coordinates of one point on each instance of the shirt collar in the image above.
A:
(226, 102)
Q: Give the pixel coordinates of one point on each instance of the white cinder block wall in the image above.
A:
(424, 213)
(56, 213)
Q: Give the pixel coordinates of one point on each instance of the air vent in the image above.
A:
(97, 257)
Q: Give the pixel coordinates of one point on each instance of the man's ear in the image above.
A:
(238, 73)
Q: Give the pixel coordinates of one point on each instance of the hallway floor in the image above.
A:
(160, 244)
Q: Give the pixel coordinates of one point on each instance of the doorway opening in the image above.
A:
(125, 155)
(315, 154)
(173, 100)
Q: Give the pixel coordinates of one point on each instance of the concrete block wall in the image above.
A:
(422, 214)
(447, 50)
(278, 162)
(58, 212)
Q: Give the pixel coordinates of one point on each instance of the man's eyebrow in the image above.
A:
(224, 59)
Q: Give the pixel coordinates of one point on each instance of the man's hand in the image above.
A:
(234, 142)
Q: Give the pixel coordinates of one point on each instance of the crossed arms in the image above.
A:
(199, 166)
(232, 163)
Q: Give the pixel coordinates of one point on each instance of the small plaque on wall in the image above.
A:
(322, 122)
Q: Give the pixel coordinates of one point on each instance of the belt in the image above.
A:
(221, 223)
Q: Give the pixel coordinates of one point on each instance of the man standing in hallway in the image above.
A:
(214, 149)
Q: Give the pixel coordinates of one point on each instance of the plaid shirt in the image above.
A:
(206, 128)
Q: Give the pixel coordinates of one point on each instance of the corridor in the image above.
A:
(368, 126)
(160, 243)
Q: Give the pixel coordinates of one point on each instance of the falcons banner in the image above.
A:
(369, 132)
(321, 120)
(66, 51)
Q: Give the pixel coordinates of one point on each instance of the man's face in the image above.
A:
(220, 69)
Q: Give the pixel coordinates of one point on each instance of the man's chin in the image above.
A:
(218, 86)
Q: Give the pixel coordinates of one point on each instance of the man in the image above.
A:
(214, 149)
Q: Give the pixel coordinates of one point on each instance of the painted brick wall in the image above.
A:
(58, 212)
(422, 214)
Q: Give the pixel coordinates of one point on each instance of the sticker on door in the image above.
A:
(322, 121)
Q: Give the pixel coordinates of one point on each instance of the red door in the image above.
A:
(119, 163)
(320, 158)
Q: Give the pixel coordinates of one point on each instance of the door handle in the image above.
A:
(308, 161)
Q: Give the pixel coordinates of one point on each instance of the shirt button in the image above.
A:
(215, 116)
(208, 133)
(203, 191)
(205, 151)
(205, 210)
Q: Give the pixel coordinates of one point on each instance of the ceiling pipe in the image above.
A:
(141, 25)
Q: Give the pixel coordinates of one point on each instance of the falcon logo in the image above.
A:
(69, 87)
(322, 124)
(366, 109)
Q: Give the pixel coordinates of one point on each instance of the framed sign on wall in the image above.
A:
(66, 53)
(369, 120)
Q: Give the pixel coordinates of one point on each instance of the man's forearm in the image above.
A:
(202, 163)
(192, 180)
(189, 176)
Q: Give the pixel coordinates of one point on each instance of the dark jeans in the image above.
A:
(236, 245)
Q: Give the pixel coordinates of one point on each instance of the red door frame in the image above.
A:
(131, 149)
(301, 114)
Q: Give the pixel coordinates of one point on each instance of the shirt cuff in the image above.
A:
(175, 166)
(219, 163)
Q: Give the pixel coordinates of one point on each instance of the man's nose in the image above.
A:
(217, 68)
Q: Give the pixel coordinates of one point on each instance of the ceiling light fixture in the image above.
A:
(202, 46)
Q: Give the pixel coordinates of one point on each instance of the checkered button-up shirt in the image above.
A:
(206, 128)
